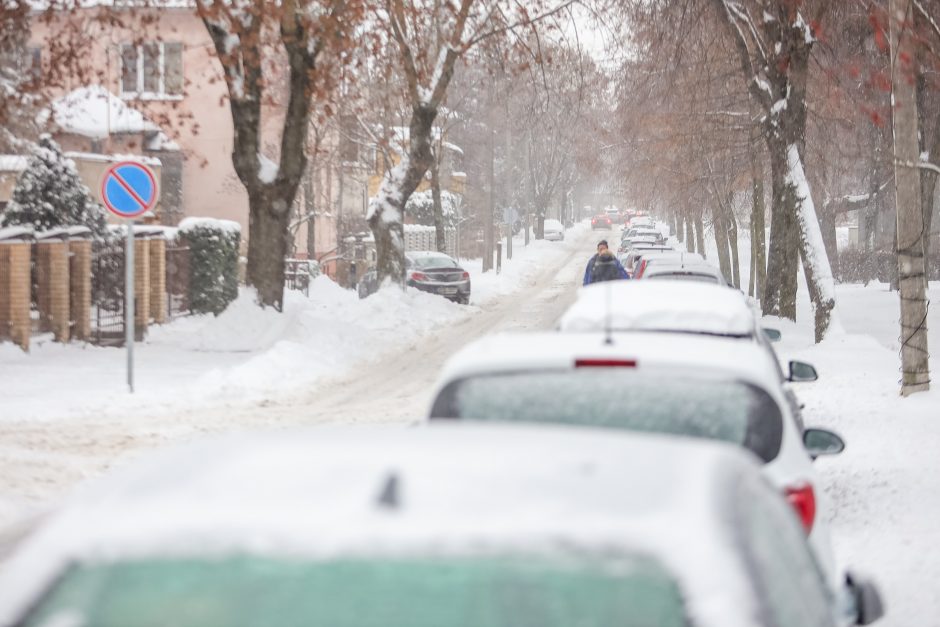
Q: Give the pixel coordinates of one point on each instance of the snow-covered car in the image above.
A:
(635, 252)
(680, 256)
(635, 232)
(642, 221)
(683, 271)
(554, 230)
(559, 524)
(678, 384)
(428, 271)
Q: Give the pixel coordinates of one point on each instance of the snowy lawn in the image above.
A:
(885, 487)
(247, 353)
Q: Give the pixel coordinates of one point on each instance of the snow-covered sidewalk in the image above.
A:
(885, 485)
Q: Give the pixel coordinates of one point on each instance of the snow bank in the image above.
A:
(95, 112)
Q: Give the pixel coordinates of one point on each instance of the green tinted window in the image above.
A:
(623, 398)
(450, 592)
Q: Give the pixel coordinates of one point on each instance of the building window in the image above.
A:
(152, 70)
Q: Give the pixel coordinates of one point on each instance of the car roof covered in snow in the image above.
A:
(661, 306)
(663, 352)
(322, 493)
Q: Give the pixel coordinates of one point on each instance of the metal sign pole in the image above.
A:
(129, 303)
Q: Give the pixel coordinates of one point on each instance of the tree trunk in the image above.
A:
(699, 234)
(310, 208)
(757, 245)
(721, 240)
(779, 298)
(732, 224)
(267, 247)
(387, 208)
(689, 235)
(915, 370)
(440, 238)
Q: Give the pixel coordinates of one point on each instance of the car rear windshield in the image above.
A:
(444, 592)
(684, 276)
(435, 261)
(622, 398)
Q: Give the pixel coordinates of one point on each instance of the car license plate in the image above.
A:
(448, 290)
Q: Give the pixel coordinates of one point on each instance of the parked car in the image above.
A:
(697, 386)
(428, 271)
(642, 221)
(601, 221)
(559, 524)
(643, 231)
(666, 271)
(554, 230)
(636, 250)
(668, 256)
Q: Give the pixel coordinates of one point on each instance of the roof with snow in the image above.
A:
(95, 112)
(661, 306)
(13, 163)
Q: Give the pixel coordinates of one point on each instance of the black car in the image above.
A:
(429, 271)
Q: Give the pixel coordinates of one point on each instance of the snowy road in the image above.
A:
(40, 460)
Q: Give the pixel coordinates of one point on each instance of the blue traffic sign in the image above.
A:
(129, 189)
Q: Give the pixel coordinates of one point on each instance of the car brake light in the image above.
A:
(803, 500)
(419, 276)
(605, 363)
(466, 275)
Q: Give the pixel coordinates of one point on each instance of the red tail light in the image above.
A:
(466, 275)
(419, 276)
(803, 501)
(605, 363)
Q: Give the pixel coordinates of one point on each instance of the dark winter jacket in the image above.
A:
(604, 267)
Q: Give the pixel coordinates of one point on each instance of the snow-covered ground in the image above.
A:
(66, 413)
(334, 358)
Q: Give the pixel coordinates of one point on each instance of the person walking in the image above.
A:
(604, 266)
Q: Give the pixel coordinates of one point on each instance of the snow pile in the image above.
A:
(226, 226)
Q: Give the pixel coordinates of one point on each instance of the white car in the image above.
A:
(683, 271)
(554, 230)
(450, 526)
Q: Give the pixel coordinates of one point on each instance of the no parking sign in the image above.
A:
(128, 190)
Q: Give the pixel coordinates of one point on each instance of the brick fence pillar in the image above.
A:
(80, 288)
(53, 287)
(141, 286)
(158, 280)
(14, 292)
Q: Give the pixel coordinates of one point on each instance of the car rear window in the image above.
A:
(444, 592)
(684, 276)
(434, 261)
(622, 398)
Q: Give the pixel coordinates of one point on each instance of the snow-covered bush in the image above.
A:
(213, 262)
(420, 208)
(50, 194)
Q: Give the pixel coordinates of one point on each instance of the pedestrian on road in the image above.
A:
(604, 266)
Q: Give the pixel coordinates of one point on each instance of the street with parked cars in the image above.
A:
(646, 462)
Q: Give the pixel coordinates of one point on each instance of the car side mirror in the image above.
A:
(868, 604)
(774, 335)
(820, 442)
(802, 372)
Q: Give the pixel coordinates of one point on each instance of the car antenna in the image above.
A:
(608, 336)
(389, 497)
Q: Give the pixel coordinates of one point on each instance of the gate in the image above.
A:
(107, 295)
(177, 281)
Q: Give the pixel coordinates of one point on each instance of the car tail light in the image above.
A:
(803, 500)
(605, 363)
(466, 275)
(419, 276)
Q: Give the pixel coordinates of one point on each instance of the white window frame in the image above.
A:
(140, 93)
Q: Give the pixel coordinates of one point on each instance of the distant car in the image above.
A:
(428, 271)
(636, 251)
(558, 525)
(554, 230)
(646, 221)
(601, 221)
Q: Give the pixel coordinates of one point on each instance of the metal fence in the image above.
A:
(298, 273)
(177, 281)
(107, 295)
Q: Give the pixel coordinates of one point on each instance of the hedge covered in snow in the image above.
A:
(213, 262)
